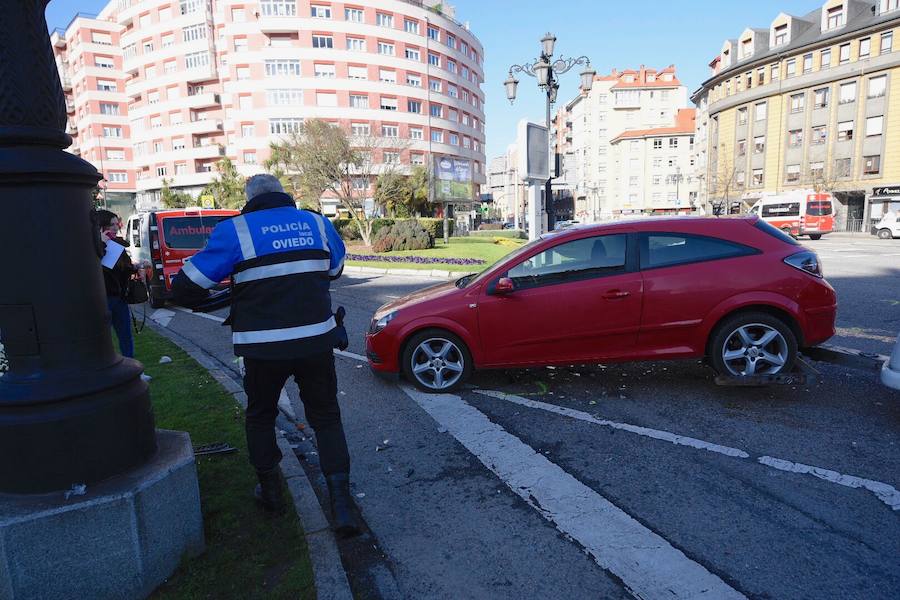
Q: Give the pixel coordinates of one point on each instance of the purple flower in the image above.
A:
(422, 260)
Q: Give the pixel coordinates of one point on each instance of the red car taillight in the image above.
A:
(805, 261)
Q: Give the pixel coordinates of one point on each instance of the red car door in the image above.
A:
(579, 300)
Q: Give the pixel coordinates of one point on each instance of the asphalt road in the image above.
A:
(642, 480)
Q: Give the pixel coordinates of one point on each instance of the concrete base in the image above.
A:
(121, 539)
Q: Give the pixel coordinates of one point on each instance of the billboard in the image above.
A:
(452, 179)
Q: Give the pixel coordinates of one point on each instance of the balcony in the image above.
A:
(202, 126)
(204, 100)
(206, 151)
(70, 107)
(65, 80)
(273, 19)
(198, 74)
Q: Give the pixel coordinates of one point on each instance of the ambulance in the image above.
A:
(798, 212)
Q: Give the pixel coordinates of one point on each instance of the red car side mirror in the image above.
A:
(504, 286)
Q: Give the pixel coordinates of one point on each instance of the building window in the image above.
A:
(818, 135)
(284, 97)
(437, 136)
(434, 33)
(757, 180)
(760, 111)
(390, 131)
(887, 42)
(384, 20)
(434, 85)
(874, 126)
(454, 139)
(741, 147)
(673, 143)
(385, 49)
(118, 176)
(240, 44)
(391, 158)
(816, 170)
(825, 59)
(835, 17)
(776, 72)
(871, 165)
(657, 144)
(845, 131)
(153, 98)
(452, 91)
(359, 101)
(451, 66)
(413, 54)
(360, 129)
(842, 167)
(196, 60)
(848, 93)
(781, 35)
(357, 73)
(410, 26)
(161, 171)
(353, 14)
(798, 103)
(322, 41)
(285, 125)
(320, 12)
(416, 133)
(414, 106)
(194, 32)
(759, 144)
(108, 108)
(865, 47)
(792, 174)
(191, 6)
(104, 63)
(417, 159)
(326, 99)
(170, 67)
(387, 76)
(877, 86)
(807, 63)
(324, 71)
(791, 68)
(356, 44)
(243, 73)
(282, 67)
(844, 55)
(414, 80)
(436, 110)
(795, 138)
(388, 103)
(248, 130)
(820, 97)
(760, 76)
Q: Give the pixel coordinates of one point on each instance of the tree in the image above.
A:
(174, 198)
(228, 188)
(290, 162)
(393, 193)
(325, 157)
(725, 181)
(419, 186)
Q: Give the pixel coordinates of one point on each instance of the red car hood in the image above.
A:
(429, 293)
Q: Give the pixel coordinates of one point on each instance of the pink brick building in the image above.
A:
(163, 89)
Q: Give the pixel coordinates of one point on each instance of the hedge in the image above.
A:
(434, 227)
(516, 234)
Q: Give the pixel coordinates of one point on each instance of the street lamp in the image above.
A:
(547, 71)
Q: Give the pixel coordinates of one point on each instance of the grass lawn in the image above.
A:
(485, 249)
(248, 554)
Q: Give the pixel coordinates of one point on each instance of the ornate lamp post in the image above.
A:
(547, 70)
(71, 409)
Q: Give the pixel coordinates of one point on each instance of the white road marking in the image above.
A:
(665, 436)
(645, 562)
(885, 492)
(162, 316)
(352, 355)
(200, 314)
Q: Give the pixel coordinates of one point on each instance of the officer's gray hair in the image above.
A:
(262, 184)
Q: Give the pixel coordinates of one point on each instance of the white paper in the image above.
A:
(113, 251)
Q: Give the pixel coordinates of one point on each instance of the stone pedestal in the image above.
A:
(121, 539)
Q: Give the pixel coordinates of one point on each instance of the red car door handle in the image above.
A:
(616, 294)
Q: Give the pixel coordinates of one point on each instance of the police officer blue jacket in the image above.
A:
(281, 261)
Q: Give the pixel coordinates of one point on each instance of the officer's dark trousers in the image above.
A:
(263, 380)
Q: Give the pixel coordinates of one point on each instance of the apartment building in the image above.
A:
(194, 81)
(810, 102)
(640, 99)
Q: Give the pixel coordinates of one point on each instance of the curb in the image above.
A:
(433, 274)
(328, 570)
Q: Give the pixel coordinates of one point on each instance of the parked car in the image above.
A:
(735, 290)
(888, 227)
(165, 239)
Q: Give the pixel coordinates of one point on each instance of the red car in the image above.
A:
(735, 290)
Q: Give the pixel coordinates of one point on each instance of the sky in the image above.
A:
(618, 34)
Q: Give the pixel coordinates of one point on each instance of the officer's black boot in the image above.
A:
(342, 510)
(269, 491)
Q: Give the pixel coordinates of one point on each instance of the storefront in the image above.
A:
(882, 200)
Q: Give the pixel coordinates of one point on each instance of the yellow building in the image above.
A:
(810, 102)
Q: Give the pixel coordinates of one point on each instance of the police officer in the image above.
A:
(281, 261)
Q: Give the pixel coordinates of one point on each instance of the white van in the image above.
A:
(888, 227)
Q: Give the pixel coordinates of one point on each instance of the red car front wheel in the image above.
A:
(436, 361)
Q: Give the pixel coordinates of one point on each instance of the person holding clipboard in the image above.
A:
(117, 270)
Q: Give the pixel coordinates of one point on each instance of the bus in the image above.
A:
(798, 213)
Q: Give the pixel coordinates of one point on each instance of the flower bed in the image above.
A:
(421, 260)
